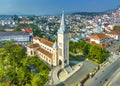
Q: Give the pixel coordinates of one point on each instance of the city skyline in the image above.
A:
(51, 7)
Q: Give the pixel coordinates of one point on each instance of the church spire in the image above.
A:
(62, 25)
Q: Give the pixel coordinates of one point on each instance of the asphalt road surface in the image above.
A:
(103, 75)
(71, 81)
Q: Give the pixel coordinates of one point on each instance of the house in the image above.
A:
(26, 21)
(100, 39)
(88, 36)
(115, 34)
(28, 30)
(29, 22)
(22, 21)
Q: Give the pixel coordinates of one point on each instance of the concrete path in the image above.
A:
(54, 75)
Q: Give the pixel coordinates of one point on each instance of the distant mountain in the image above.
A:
(112, 10)
(97, 13)
(5, 16)
(8, 16)
(88, 13)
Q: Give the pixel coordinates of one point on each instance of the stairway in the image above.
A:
(68, 69)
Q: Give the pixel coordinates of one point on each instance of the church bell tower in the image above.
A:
(63, 43)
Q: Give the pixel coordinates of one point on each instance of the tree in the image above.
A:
(86, 49)
(17, 29)
(2, 30)
(71, 46)
(116, 27)
(35, 29)
(98, 54)
(12, 55)
(32, 18)
(90, 51)
(14, 67)
(119, 48)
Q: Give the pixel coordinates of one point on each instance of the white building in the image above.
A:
(99, 38)
(115, 34)
(19, 37)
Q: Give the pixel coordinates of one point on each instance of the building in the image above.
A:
(56, 53)
(99, 38)
(115, 34)
(19, 37)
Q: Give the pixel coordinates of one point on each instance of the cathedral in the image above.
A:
(56, 53)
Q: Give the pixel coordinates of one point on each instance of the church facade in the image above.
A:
(56, 53)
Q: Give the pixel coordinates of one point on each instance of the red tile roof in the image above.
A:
(44, 41)
(33, 45)
(99, 36)
(22, 21)
(45, 52)
(28, 30)
(116, 32)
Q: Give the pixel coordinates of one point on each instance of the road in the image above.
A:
(116, 79)
(103, 75)
(114, 46)
(71, 81)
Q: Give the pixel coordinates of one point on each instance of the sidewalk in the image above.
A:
(54, 75)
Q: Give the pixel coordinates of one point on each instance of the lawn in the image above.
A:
(73, 58)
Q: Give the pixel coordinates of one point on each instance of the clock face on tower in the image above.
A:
(60, 37)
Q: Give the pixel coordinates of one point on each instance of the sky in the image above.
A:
(51, 7)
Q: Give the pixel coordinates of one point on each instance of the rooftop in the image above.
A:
(13, 33)
(116, 32)
(45, 52)
(44, 41)
(28, 30)
(33, 45)
(99, 36)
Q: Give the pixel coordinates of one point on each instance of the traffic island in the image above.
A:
(62, 75)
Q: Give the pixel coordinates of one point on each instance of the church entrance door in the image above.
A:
(60, 62)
